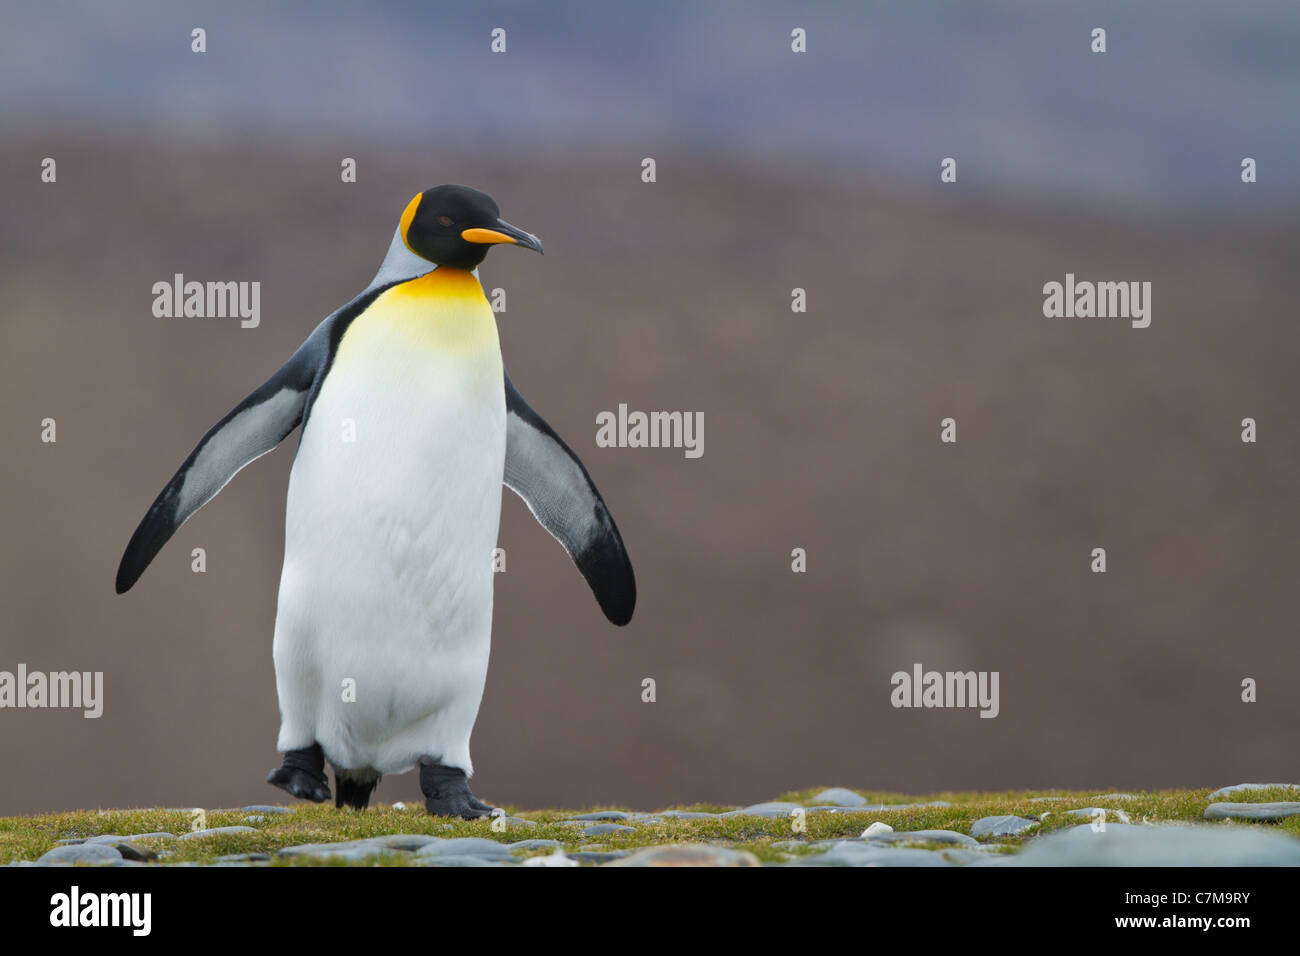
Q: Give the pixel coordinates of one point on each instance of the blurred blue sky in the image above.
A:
(886, 89)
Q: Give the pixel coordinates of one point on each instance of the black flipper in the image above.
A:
(543, 471)
(251, 429)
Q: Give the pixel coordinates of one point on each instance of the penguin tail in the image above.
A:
(352, 788)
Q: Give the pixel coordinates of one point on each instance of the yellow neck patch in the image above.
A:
(443, 285)
(444, 310)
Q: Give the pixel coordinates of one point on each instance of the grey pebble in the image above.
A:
(840, 797)
(588, 856)
(925, 836)
(465, 846)
(1103, 812)
(690, 815)
(1251, 811)
(254, 819)
(600, 829)
(243, 858)
(860, 853)
(1001, 826)
(1134, 845)
(82, 853)
(266, 808)
(789, 844)
(362, 848)
(534, 844)
(352, 854)
(1240, 787)
(460, 860)
(963, 857)
(132, 852)
(693, 854)
(345, 850)
(214, 831)
(156, 835)
(409, 842)
(602, 815)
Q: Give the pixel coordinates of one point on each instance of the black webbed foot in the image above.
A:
(303, 774)
(447, 793)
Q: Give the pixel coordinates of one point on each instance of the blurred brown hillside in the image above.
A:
(821, 432)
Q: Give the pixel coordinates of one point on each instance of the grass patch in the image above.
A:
(28, 837)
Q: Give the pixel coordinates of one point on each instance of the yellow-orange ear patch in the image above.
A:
(408, 215)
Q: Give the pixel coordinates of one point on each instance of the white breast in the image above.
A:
(393, 508)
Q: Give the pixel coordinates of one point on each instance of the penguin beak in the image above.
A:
(502, 231)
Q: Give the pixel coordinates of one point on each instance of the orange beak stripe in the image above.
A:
(486, 236)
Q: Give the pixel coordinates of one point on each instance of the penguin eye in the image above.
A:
(445, 220)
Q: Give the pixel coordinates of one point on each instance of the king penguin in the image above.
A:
(410, 428)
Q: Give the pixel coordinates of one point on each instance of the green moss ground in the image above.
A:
(28, 837)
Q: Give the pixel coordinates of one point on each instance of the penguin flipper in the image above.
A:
(543, 471)
(251, 429)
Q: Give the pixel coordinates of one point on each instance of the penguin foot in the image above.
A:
(447, 793)
(303, 774)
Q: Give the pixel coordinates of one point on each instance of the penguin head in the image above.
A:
(454, 226)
